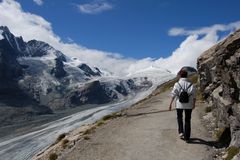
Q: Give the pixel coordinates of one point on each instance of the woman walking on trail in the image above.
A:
(185, 94)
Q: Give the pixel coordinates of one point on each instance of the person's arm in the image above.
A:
(173, 93)
(194, 102)
(194, 97)
(170, 105)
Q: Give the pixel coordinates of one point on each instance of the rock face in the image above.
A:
(88, 71)
(92, 93)
(58, 71)
(219, 70)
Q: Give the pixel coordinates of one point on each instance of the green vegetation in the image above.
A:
(107, 117)
(166, 86)
(53, 156)
(99, 123)
(231, 152)
(111, 116)
(199, 95)
(194, 78)
(60, 137)
(208, 109)
(90, 130)
(219, 133)
(64, 143)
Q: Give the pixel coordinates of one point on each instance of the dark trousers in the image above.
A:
(187, 129)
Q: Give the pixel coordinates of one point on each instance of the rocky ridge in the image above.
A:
(219, 70)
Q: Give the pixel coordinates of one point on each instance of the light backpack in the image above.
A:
(184, 96)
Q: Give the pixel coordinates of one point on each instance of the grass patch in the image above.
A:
(231, 152)
(199, 95)
(166, 86)
(60, 137)
(90, 130)
(100, 123)
(111, 116)
(64, 143)
(219, 132)
(193, 78)
(208, 109)
(53, 156)
(107, 117)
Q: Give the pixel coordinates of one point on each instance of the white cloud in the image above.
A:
(192, 47)
(32, 26)
(95, 7)
(38, 2)
(69, 40)
(176, 31)
(204, 30)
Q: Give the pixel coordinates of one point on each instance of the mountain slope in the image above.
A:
(48, 79)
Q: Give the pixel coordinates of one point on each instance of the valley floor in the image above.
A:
(147, 131)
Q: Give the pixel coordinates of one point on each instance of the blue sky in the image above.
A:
(124, 36)
(133, 28)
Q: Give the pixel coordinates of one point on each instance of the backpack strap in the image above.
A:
(189, 87)
(182, 87)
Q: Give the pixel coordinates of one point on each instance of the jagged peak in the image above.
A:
(5, 29)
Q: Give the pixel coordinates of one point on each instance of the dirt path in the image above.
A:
(148, 131)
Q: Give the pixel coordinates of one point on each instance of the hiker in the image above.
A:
(185, 94)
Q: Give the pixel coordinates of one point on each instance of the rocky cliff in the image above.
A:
(219, 70)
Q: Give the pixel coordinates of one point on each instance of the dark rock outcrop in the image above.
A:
(88, 71)
(219, 70)
(31, 48)
(58, 71)
(92, 93)
(38, 49)
(10, 69)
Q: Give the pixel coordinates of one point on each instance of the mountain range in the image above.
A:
(37, 79)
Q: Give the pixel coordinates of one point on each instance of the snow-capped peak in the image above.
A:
(16, 43)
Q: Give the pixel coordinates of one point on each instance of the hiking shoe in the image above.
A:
(181, 135)
(187, 140)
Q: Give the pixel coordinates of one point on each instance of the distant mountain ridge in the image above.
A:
(48, 80)
(31, 48)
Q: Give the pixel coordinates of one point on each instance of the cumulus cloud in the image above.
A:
(192, 47)
(38, 2)
(32, 26)
(95, 7)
